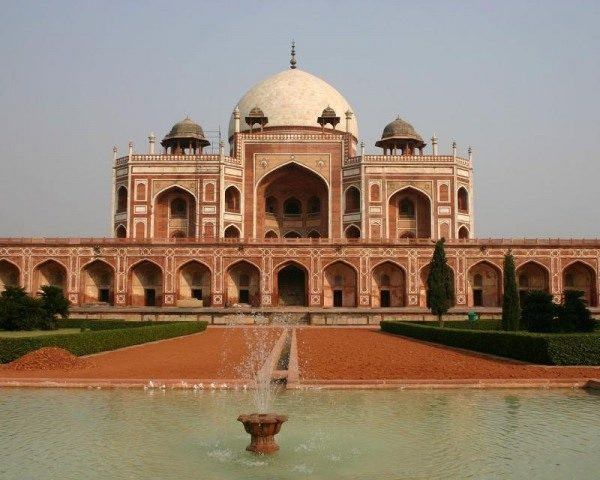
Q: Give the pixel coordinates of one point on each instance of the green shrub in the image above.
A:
(19, 311)
(539, 312)
(89, 342)
(109, 324)
(573, 314)
(548, 349)
(54, 302)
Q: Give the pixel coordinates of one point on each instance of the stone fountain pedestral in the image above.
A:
(262, 428)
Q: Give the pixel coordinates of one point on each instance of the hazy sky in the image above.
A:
(518, 80)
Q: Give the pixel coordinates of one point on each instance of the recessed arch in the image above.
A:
(352, 232)
(298, 191)
(50, 272)
(174, 212)
(10, 274)
(122, 199)
(271, 234)
(292, 234)
(121, 231)
(233, 199)
(388, 285)
(351, 200)
(97, 281)
(232, 232)
(532, 275)
(340, 281)
(314, 234)
(409, 211)
(243, 283)
(485, 285)
(580, 276)
(292, 282)
(194, 284)
(146, 283)
(463, 200)
(463, 233)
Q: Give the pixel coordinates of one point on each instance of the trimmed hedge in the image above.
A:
(547, 349)
(105, 324)
(89, 342)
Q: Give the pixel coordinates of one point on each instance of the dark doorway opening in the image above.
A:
(478, 298)
(104, 295)
(338, 298)
(291, 285)
(149, 297)
(197, 293)
(244, 296)
(385, 299)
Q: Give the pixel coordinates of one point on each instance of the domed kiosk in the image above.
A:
(400, 135)
(185, 137)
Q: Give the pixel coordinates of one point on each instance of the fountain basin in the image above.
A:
(262, 428)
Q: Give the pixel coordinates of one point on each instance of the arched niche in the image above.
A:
(243, 284)
(352, 200)
(339, 285)
(146, 284)
(292, 281)
(9, 275)
(580, 276)
(193, 285)
(388, 286)
(232, 200)
(463, 200)
(409, 212)
(174, 211)
(532, 276)
(485, 285)
(97, 283)
(231, 232)
(51, 273)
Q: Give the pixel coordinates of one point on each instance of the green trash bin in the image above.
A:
(473, 317)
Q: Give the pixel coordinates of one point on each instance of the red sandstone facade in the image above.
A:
(294, 215)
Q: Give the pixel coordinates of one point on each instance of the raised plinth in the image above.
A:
(262, 428)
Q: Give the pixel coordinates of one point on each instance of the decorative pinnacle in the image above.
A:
(115, 149)
(293, 59)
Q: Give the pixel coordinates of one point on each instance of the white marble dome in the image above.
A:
(294, 98)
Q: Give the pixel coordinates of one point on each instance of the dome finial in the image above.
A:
(293, 59)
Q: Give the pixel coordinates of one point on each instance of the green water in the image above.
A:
(103, 434)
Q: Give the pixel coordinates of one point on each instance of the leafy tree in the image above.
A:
(54, 301)
(539, 312)
(573, 314)
(19, 311)
(440, 285)
(511, 305)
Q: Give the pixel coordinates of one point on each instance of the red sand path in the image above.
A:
(217, 353)
(367, 354)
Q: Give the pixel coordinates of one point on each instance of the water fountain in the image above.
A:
(263, 426)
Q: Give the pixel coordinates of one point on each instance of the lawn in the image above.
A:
(38, 333)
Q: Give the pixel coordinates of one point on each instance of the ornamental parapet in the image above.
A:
(480, 242)
(407, 159)
(162, 158)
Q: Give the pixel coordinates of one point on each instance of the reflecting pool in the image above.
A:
(393, 434)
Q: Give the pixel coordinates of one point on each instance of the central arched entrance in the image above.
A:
(409, 213)
(291, 286)
(292, 198)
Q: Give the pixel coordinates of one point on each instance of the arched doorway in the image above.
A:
(232, 200)
(121, 231)
(532, 276)
(463, 232)
(339, 285)
(194, 285)
(580, 276)
(463, 200)
(409, 213)
(388, 286)
(50, 273)
(175, 214)
(146, 282)
(294, 198)
(97, 283)
(352, 200)
(485, 281)
(352, 232)
(291, 286)
(243, 284)
(232, 232)
(9, 275)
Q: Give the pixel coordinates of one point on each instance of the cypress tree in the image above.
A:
(511, 306)
(440, 285)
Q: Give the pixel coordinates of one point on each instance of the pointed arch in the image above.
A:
(352, 232)
(532, 275)
(232, 231)
(485, 285)
(145, 283)
(10, 274)
(174, 211)
(121, 231)
(409, 209)
(423, 274)
(194, 284)
(243, 283)
(97, 282)
(292, 234)
(121, 199)
(50, 272)
(581, 276)
(233, 199)
(352, 199)
(388, 285)
(340, 284)
(292, 283)
(463, 233)
(271, 234)
(463, 200)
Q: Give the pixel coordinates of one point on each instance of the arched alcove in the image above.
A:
(146, 284)
(194, 285)
(97, 283)
(409, 212)
(388, 286)
(339, 285)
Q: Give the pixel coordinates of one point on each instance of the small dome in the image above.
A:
(256, 112)
(400, 129)
(329, 112)
(187, 128)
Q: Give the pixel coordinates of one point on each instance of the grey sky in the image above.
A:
(517, 80)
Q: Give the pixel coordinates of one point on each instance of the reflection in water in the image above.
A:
(71, 434)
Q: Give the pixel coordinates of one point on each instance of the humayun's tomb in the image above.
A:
(295, 215)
